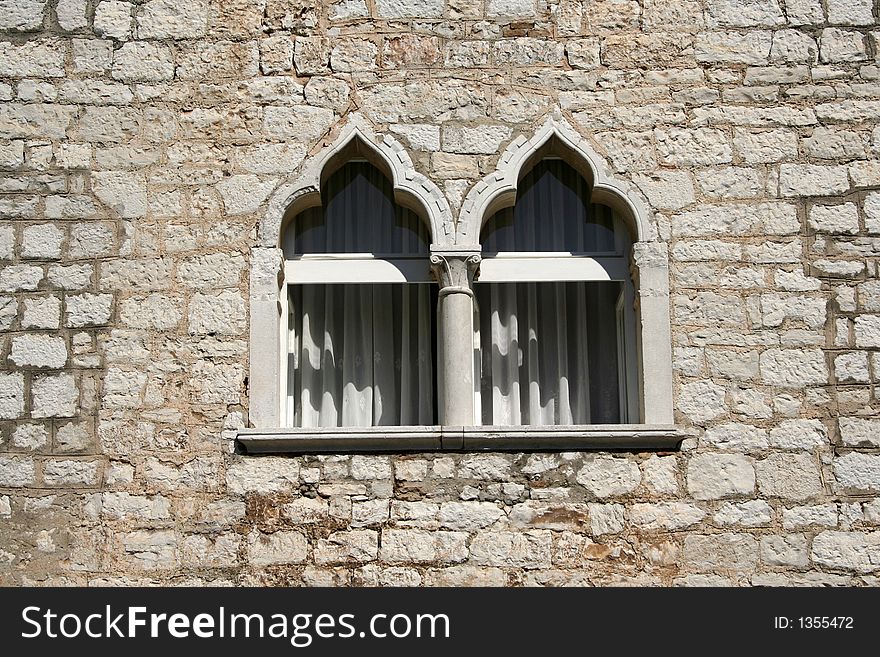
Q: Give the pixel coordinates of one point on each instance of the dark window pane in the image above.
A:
(358, 215)
(552, 213)
(549, 353)
(361, 355)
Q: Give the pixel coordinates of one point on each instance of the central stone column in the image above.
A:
(455, 272)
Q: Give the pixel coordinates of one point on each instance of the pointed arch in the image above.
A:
(555, 137)
(356, 138)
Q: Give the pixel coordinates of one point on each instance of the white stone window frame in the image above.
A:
(456, 259)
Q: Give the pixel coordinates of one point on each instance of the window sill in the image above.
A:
(336, 440)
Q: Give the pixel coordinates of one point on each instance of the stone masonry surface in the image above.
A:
(140, 142)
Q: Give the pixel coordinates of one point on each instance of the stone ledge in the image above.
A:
(458, 439)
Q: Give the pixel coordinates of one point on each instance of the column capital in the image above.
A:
(455, 270)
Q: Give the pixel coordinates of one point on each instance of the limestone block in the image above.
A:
(715, 476)
(701, 401)
(670, 516)
(222, 313)
(793, 367)
(358, 546)
(736, 437)
(58, 472)
(799, 434)
(510, 8)
(16, 471)
(54, 395)
(733, 47)
(788, 550)
(529, 549)
(859, 432)
(41, 241)
(143, 62)
(701, 146)
(754, 513)
(843, 218)
(857, 472)
(851, 12)
(88, 310)
(738, 552)
(789, 476)
(485, 139)
(11, 395)
(32, 59)
(276, 548)
(468, 516)
(71, 14)
(41, 313)
(744, 13)
(38, 351)
(607, 476)
(262, 475)
(853, 551)
(171, 19)
(418, 546)
(838, 46)
(113, 19)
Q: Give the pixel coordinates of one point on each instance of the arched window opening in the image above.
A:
(555, 305)
(360, 308)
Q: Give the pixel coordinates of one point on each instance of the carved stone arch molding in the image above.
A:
(558, 138)
(649, 259)
(355, 139)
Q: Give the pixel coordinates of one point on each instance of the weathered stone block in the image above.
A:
(38, 351)
(788, 550)
(54, 395)
(88, 310)
(737, 552)
(857, 472)
(64, 472)
(262, 476)
(166, 19)
(277, 548)
(715, 476)
(852, 551)
(670, 516)
(222, 313)
(143, 62)
(41, 242)
(702, 401)
(754, 513)
(417, 546)
(530, 549)
(744, 13)
(16, 471)
(607, 476)
(793, 368)
(789, 476)
(843, 218)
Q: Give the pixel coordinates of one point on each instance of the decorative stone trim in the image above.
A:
(498, 189)
(266, 276)
(455, 271)
(408, 184)
(338, 440)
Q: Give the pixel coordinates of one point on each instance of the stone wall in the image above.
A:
(139, 142)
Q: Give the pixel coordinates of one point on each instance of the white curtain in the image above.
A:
(360, 355)
(549, 353)
(549, 350)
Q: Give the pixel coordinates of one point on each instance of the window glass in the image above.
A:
(552, 213)
(549, 353)
(361, 355)
(357, 215)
